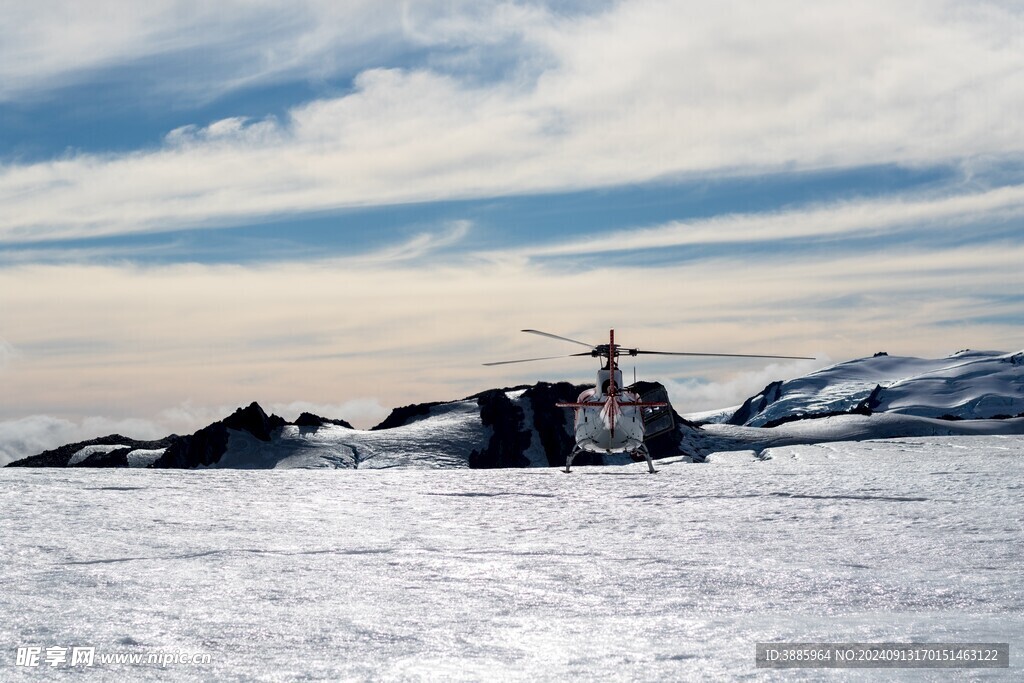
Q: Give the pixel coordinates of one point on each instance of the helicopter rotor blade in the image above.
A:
(530, 360)
(555, 336)
(634, 352)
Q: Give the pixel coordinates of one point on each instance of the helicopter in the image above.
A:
(609, 418)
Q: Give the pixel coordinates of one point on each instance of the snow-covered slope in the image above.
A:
(444, 437)
(966, 385)
(520, 575)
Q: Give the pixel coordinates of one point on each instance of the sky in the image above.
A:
(347, 207)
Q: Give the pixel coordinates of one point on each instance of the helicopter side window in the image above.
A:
(604, 387)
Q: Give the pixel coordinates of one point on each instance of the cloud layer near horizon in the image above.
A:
(130, 338)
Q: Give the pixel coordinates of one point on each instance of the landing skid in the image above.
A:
(642, 450)
(647, 456)
(568, 461)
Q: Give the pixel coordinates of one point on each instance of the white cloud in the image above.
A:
(694, 395)
(418, 246)
(644, 90)
(198, 49)
(862, 217)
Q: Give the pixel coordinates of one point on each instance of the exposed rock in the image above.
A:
(756, 404)
(311, 420)
(59, 457)
(201, 449)
(208, 445)
(205, 447)
(554, 425)
(509, 440)
(252, 419)
(402, 416)
(868, 405)
(116, 458)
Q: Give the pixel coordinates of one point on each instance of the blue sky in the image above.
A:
(505, 221)
(351, 206)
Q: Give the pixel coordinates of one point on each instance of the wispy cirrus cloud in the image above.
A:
(418, 246)
(953, 209)
(794, 87)
(183, 49)
(7, 352)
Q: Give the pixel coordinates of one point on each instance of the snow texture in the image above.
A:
(89, 450)
(519, 574)
(968, 384)
(144, 457)
(442, 438)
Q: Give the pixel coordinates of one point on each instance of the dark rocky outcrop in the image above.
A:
(868, 405)
(553, 424)
(205, 447)
(999, 416)
(860, 409)
(311, 420)
(252, 419)
(209, 444)
(117, 458)
(756, 404)
(404, 415)
(509, 440)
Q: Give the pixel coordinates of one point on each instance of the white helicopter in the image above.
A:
(610, 417)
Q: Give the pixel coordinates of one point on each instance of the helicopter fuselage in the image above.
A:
(594, 428)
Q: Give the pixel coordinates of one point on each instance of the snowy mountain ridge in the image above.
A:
(966, 385)
(969, 393)
(516, 427)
